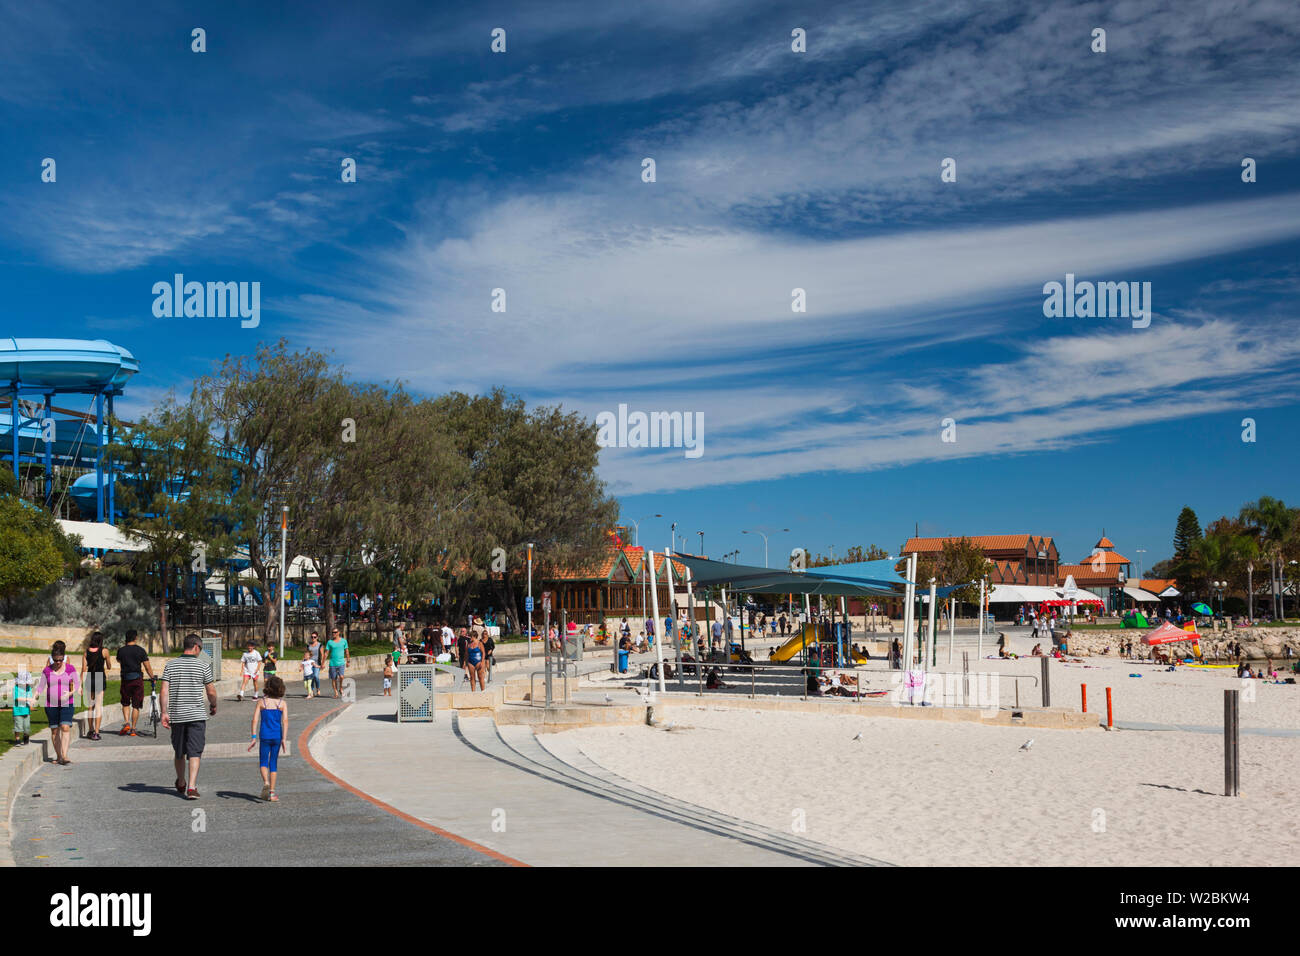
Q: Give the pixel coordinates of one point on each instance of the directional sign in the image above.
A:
(528, 604)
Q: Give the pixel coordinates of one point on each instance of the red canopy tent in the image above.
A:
(1168, 633)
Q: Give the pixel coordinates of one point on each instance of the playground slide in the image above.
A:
(793, 646)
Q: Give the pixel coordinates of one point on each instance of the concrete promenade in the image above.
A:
(357, 788)
(115, 806)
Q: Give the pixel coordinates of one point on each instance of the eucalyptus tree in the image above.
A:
(175, 489)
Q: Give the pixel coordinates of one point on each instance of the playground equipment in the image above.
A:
(34, 431)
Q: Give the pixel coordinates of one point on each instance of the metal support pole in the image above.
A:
(1231, 740)
(546, 642)
(528, 638)
(49, 451)
(659, 644)
(1083, 688)
(979, 645)
(952, 626)
(930, 630)
(1110, 713)
(99, 455)
(1047, 683)
(284, 538)
(112, 483)
(14, 422)
(909, 611)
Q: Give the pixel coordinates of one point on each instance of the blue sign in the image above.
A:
(528, 604)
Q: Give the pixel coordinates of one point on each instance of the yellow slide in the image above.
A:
(796, 643)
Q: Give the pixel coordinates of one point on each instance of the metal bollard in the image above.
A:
(1110, 714)
(1231, 739)
(1047, 684)
(1084, 689)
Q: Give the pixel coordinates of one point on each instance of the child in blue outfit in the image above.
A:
(270, 730)
(24, 697)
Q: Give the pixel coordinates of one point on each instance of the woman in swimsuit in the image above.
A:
(476, 661)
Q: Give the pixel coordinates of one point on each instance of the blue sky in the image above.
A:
(775, 170)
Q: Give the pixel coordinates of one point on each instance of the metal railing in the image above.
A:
(697, 671)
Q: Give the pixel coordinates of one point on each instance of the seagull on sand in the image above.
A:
(1027, 744)
(858, 735)
(608, 699)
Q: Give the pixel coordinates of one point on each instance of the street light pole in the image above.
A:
(701, 534)
(284, 537)
(636, 529)
(528, 638)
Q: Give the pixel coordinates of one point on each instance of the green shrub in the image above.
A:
(96, 601)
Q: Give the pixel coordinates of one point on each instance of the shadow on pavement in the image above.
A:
(387, 718)
(237, 795)
(150, 788)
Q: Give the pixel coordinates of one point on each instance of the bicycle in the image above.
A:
(155, 711)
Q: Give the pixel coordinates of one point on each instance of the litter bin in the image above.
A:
(622, 662)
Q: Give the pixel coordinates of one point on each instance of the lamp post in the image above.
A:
(528, 638)
(701, 534)
(1140, 551)
(1250, 593)
(636, 529)
(1218, 591)
(284, 536)
(765, 564)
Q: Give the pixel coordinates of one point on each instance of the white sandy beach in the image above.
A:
(953, 793)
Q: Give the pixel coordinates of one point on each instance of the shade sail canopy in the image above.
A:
(101, 536)
(1138, 594)
(832, 580)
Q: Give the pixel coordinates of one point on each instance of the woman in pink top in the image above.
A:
(57, 689)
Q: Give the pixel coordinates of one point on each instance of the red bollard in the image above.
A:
(1084, 688)
(1110, 715)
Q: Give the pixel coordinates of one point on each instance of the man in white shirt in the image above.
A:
(250, 669)
(448, 637)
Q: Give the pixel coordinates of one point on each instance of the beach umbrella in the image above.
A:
(1200, 608)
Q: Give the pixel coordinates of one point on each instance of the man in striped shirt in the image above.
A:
(186, 682)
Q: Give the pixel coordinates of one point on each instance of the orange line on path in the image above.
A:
(305, 752)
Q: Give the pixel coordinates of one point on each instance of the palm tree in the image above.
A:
(1269, 519)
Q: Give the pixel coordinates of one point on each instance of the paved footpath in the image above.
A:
(115, 805)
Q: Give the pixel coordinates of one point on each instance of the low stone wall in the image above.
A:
(1257, 643)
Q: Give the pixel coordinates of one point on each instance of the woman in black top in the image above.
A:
(268, 661)
(94, 663)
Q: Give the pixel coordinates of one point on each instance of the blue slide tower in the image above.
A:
(34, 373)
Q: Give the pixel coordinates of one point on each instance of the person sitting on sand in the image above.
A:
(1037, 651)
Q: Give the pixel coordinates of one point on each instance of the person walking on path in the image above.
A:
(338, 652)
(186, 681)
(448, 637)
(250, 669)
(308, 669)
(388, 676)
(317, 651)
(475, 661)
(57, 689)
(270, 731)
(94, 667)
(24, 698)
(269, 664)
(132, 662)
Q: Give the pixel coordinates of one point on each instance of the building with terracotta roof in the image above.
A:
(1016, 558)
(1106, 573)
